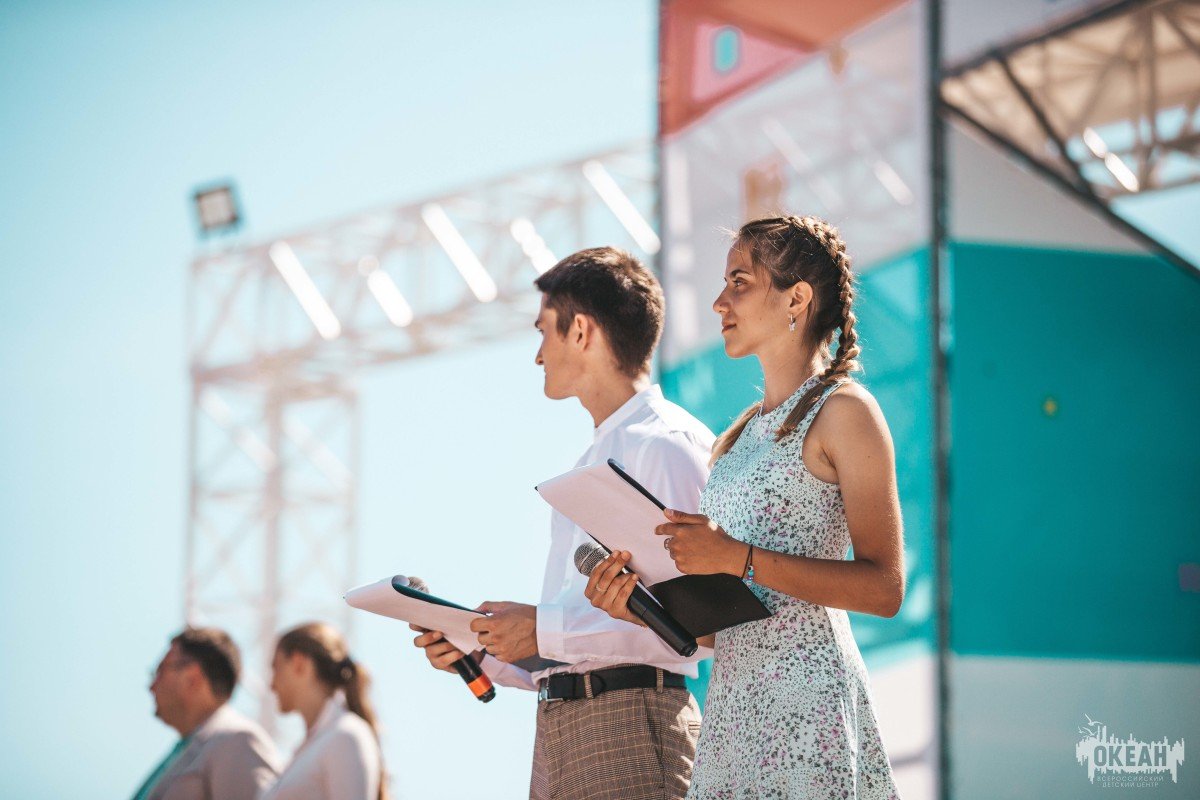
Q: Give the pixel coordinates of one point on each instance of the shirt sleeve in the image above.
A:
(581, 632)
(509, 675)
(242, 767)
(674, 469)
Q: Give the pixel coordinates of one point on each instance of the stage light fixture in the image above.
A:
(217, 208)
(386, 293)
(622, 207)
(799, 161)
(246, 440)
(298, 280)
(887, 176)
(1118, 168)
(460, 253)
(532, 244)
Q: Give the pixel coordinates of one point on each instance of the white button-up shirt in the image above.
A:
(666, 450)
(339, 760)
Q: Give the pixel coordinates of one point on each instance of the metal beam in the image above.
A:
(281, 329)
(1107, 76)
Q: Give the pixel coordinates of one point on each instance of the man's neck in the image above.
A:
(197, 717)
(606, 395)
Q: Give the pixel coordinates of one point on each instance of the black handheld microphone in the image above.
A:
(467, 667)
(647, 609)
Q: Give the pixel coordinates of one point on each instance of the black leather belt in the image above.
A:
(573, 686)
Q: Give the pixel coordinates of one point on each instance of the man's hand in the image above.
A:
(441, 653)
(510, 633)
(700, 546)
(609, 589)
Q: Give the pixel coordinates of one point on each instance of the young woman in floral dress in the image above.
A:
(797, 480)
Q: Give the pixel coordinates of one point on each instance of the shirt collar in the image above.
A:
(202, 730)
(333, 709)
(638, 401)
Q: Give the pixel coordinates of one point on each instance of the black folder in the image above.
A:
(702, 604)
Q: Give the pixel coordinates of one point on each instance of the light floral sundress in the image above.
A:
(789, 711)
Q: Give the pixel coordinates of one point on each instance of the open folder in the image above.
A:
(393, 597)
(620, 514)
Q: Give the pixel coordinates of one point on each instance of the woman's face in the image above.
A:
(753, 312)
(286, 677)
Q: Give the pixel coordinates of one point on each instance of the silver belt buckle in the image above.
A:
(544, 692)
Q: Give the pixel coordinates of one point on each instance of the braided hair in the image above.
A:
(789, 250)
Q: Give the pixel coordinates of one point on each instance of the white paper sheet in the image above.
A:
(605, 505)
(381, 598)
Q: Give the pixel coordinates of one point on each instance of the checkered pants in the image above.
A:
(627, 744)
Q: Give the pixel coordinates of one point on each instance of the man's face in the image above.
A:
(173, 680)
(562, 363)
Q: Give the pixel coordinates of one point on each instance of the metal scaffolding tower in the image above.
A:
(279, 333)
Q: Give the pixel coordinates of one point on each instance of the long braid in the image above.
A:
(845, 360)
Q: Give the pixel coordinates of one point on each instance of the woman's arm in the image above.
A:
(855, 442)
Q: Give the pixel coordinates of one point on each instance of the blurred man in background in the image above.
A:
(221, 755)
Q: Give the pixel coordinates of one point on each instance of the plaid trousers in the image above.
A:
(627, 744)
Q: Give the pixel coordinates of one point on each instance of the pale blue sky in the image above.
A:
(109, 115)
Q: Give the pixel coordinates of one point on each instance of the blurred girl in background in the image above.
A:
(314, 676)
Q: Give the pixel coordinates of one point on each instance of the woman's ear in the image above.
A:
(299, 664)
(800, 299)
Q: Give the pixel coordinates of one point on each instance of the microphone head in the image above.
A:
(413, 582)
(588, 556)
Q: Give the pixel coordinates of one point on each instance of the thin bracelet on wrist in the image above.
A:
(748, 568)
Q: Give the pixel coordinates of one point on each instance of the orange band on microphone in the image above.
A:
(480, 685)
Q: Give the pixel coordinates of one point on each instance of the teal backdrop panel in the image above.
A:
(1075, 466)
(894, 332)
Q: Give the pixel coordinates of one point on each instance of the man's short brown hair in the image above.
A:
(215, 653)
(618, 292)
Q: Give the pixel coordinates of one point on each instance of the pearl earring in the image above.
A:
(792, 324)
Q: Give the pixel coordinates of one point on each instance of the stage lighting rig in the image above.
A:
(217, 208)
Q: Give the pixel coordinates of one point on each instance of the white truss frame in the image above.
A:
(274, 439)
(1110, 101)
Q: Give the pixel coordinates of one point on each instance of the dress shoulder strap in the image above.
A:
(806, 423)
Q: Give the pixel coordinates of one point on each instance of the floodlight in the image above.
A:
(217, 208)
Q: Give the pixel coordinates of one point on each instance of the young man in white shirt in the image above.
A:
(615, 721)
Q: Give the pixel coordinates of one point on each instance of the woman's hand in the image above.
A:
(609, 588)
(699, 546)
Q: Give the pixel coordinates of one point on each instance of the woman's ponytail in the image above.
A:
(337, 671)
